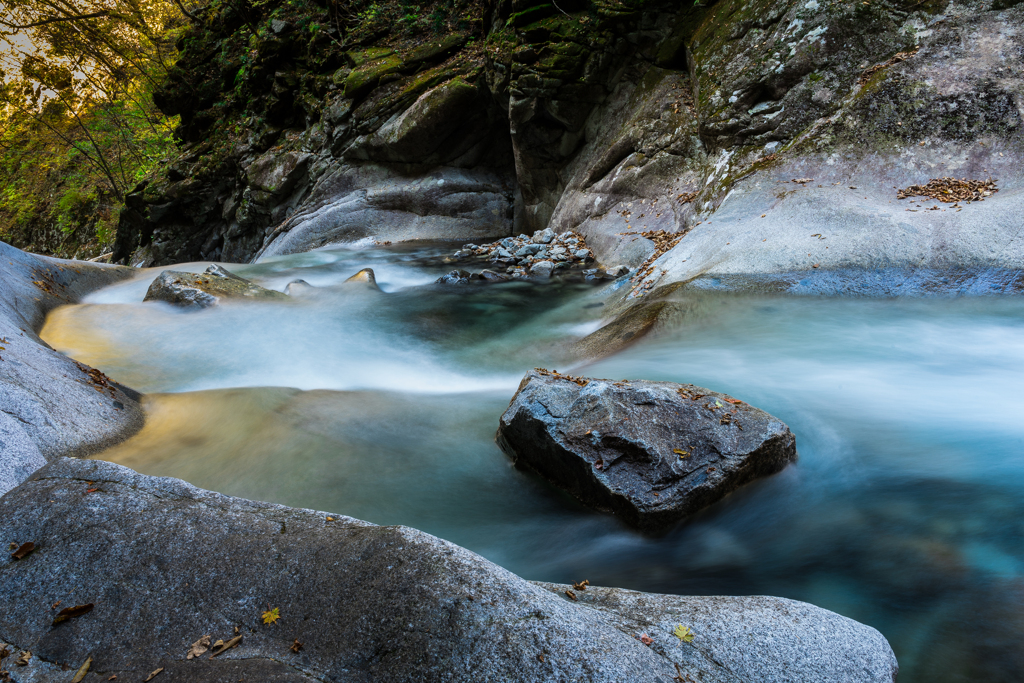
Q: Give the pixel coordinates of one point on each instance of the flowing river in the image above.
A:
(904, 510)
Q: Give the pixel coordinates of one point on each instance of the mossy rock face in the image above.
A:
(365, 78)
(357, 59)
(766, 69)
(434, 50)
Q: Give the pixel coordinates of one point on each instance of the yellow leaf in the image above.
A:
(683, 633)
(270, 616)
(680, 452)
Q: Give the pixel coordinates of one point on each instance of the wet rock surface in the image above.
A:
(363, 602)
(192, 290)
(651, 452)
(49, 404)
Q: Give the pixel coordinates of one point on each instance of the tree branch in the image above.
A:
(53, 20)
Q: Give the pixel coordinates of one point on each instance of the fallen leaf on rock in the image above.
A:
(72, 612)
(82, 670)
(680, 452)
(113, 678)
(646, 639)
(540, 658)
(571, 594)
(271, 616)
(224, 647)
(154, 674)
(582, 585)
(296, 646)
(23, 550)
(683, 633)
(23, 658)
(733, 401)
(680, 677)
(199, 647)
(4, 652)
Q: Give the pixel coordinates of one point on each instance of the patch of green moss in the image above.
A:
(358, 58)
(365, 78)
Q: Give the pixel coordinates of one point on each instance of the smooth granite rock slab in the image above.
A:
(49, 404)
(651, 452)
(757, 638)
(165, 563)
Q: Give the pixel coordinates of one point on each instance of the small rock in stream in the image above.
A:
(455, 277)
(651, 452)
(192, 290)
(544, 236)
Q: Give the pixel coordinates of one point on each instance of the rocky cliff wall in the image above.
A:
(607, 118)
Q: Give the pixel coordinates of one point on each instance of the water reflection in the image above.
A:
(904, 512)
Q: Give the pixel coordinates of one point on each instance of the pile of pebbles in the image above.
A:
(537, 257)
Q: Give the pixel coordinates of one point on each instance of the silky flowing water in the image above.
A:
(905, 510)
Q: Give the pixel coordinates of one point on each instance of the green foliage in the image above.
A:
(78, 128)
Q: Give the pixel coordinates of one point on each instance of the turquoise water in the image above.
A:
(905, 510)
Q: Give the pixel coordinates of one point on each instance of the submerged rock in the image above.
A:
(298, 287)
(651, 452)
(455, 277)
(355, 601)
(202, 290)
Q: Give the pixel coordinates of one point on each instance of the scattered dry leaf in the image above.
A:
(154, 674)
(646, 639)
(271, 615)
(680, 452)
(570, 594)
(82, 670)
(680, 677)
(224, 647)
(23, 550)
(199, 647)
(296, 646)
(23, 658)
(895, 59)
(72, 612)
(582, 585)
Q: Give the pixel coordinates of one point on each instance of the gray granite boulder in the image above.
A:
(757, 638)
(49, 404)
(163, 564)
(651, 452)
(202, 290)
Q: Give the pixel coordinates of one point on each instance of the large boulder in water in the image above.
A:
(201, 290)
(158, 564)
(651, 452)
